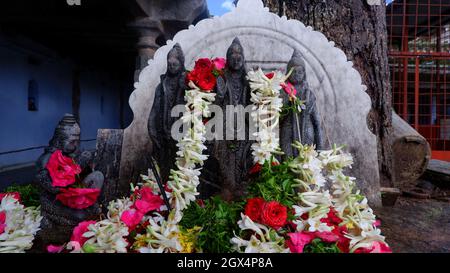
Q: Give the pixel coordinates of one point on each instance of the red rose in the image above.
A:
(14, 195)
(274, 215)
(255, 169)
(204, 65)
(62, 169)
(192, 76)
(254, 207)
(78, 198)
(270, 75)
(332, 218)
(206, 81)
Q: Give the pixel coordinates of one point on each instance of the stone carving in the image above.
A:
(305, 126)
(229, 160)
(269, 41)
(58, 220)
(169, 93)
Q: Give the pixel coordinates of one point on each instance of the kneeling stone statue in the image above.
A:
(59, 220)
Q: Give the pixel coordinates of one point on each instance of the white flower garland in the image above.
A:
(351, 206)
(162, 235)
(267, 104)
(22, 224)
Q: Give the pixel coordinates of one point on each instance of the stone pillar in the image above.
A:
(148, 31)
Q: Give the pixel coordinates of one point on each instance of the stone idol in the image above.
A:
(59, 220)
(169, 93)
(305, 126)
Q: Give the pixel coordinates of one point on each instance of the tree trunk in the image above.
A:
(359, 29)
(411, 154)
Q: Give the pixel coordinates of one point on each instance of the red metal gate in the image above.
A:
(419, 53)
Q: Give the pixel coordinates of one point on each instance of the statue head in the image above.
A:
(235, 56)
(175, 60)
(66, 136)
(297, 64)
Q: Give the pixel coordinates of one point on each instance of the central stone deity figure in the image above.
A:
(59, 220)
(230, 159)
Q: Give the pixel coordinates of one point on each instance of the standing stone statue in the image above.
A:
(229, 160)
(59, 220)
(305, 126)
(169, 93)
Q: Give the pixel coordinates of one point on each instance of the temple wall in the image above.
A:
(53, 75)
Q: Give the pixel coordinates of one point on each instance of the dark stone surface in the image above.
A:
(438, 172)
(416, 225)
(107, 161)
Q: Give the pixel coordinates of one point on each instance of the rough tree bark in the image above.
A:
(359, 29)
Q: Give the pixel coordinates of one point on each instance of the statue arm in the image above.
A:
(221, 91)
(45, 182)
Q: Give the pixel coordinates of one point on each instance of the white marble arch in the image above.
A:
(269, 41)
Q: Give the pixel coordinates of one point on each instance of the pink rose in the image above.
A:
(78, 231)
(131, 218)
(377, 247)
(78, 198)
(220, 63)
(54, 249)
(15, 195)
(147, 201)
(298, 240)
(2, 222)
(62, 169)
(327, 236)
(289, 89)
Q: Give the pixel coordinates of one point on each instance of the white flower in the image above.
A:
(268, 240)
(22, 224)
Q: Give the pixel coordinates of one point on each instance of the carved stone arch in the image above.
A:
(268, 41)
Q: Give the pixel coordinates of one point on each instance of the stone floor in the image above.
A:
(416, 225)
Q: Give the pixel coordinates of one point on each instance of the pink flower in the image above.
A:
(327, 236)
(78, 198)
(62, 169)
(289, 89)
(219, 63)
(297, 241)
(2, 222)
(377, 247)
(15, 195)
(78, 231)
(377, 223)
(131, 218)
(54, 249)
(147, 201)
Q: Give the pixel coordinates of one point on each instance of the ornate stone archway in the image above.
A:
(269, 41)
